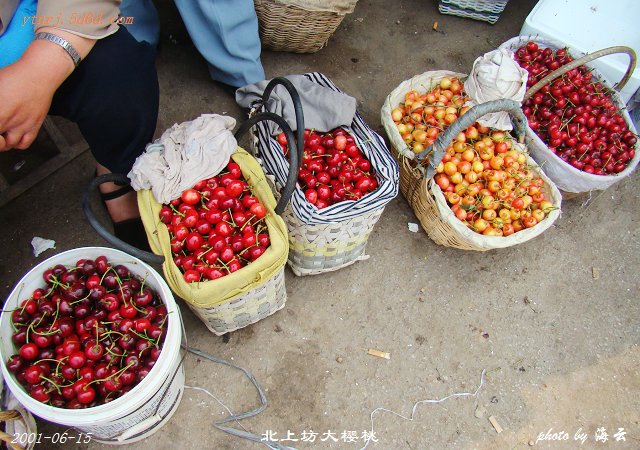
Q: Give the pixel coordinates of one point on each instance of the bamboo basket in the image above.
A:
(241, 298)
(318, 248)
(336, 237)
(288, 27)
(428, 202)
(247, 308)
(486, 10)
(315, 249)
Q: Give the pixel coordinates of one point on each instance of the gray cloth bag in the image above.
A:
(324, 109)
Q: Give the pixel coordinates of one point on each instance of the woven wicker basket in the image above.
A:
(415, 188)
(315, 249)
(241, 298)
(426, 198)
(486, 10)
(327, 240)
(245, 309)
(289, 28)
(438, 222)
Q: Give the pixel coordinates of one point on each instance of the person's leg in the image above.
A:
(225, 32)
(145, 24)
(113, 96)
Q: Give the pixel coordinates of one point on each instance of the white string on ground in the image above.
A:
(415, 406)
(221, 424)
(196, 388)
(587, 202)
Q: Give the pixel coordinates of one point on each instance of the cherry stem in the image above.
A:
(173, 208)
(116, 374)
(145, 337)
(55, 317)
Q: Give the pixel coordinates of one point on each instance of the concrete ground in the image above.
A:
(553, 323)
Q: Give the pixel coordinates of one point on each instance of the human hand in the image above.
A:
(28, 85)
(24, 102)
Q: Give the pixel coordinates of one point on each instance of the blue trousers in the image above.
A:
(225, 32)
(113, 97)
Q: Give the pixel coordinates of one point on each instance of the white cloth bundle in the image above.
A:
(185, 154)
(496, 75)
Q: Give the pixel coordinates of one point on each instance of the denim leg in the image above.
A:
(225, 32)
(145, 24)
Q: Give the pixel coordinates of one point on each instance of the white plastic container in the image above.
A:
(144, 409)
(589, 26)
(566, 177)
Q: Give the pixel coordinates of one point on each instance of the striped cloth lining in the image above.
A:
(372, 145)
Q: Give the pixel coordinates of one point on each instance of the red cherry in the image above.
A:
(258, 210)
(29, 351)
(190, 196)
(85, 395)
(77, 359)
(191, 276)
(32, 374)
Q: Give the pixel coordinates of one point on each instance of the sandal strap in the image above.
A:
(106, 196)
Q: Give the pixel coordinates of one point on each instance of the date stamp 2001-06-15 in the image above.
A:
(65, 437)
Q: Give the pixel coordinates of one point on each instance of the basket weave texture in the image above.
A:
(441, 225)
(246, 309)
(289, 28)
(315, 249)
(486, 10)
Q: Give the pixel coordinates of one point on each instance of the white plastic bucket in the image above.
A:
(140, 412)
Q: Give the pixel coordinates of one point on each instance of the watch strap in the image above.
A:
(71, 51)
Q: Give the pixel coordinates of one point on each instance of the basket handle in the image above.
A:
(297, 148)
(583, 60)
(297, 106)
(120, 180)
(295, 158)
(437, 149)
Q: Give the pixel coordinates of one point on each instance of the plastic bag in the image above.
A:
(496, 75)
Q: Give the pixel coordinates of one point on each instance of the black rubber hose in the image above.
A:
(122, 180)
(294, 157)
(297, 107)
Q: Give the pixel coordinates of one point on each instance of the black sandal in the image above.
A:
(131, 230)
